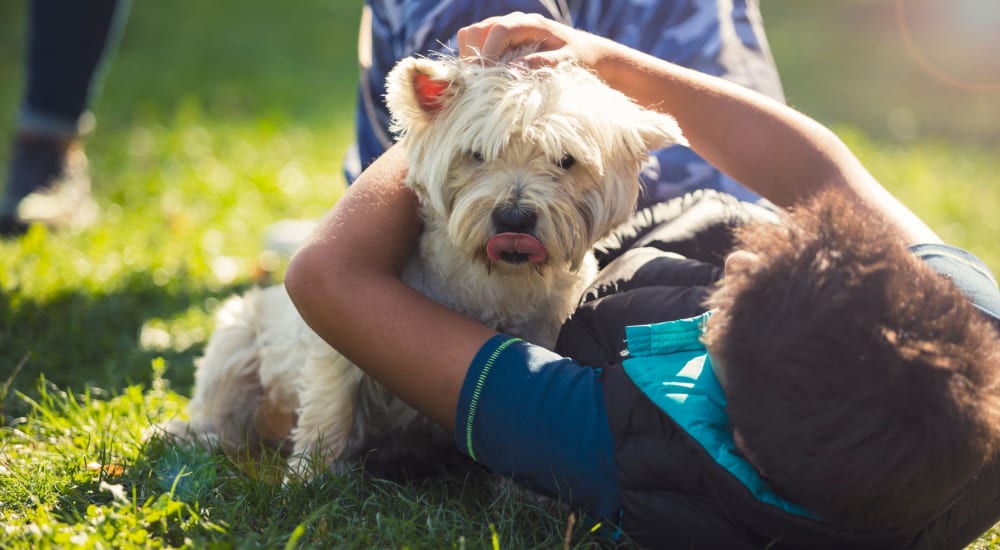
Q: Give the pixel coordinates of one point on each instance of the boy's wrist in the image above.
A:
(611, 64)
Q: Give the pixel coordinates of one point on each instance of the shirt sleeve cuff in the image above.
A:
(475, 379)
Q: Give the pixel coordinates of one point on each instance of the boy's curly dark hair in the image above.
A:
(863, 385)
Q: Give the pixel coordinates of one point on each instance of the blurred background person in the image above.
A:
(47, 178)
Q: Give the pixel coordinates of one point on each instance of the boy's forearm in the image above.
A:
(778, 152)
(760, 142)
(346, 284)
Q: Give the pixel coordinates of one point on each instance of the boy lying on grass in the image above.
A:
(840, 391)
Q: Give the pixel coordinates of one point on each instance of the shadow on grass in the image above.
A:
(81, 339)
(350, 509)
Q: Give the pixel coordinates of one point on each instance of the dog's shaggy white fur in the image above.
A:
(518, 173)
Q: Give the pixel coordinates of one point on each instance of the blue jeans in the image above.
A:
(67, 44)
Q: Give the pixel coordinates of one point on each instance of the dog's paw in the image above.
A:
(181, 432)
(302, 468)
(299, 469)
(175, 431)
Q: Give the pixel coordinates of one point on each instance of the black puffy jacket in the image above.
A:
(660, 267)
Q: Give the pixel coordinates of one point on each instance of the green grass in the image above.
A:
(218, 119)
(78, 472)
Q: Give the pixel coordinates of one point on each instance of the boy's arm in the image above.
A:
(778, 152)
(346, 284)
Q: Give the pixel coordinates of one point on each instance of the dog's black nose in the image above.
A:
(511, 219)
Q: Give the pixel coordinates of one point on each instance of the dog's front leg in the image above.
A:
(327, 390)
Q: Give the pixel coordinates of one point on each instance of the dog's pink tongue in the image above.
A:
(515, 248)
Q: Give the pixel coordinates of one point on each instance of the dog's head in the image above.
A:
(523, 168)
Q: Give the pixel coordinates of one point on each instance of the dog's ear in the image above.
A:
(658, 130)
(417, 89)
(418, 92)
(430, 92)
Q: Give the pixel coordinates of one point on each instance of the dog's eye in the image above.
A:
(477, 156)
(567, 162)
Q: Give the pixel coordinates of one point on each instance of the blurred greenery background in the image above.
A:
(901, 71)
(218, 118)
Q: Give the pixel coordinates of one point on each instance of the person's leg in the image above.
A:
(47, 179)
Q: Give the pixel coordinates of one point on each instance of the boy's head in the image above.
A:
(861, 384)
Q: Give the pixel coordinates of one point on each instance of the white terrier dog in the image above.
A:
(519, 172)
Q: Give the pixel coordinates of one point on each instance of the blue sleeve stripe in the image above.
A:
(967, 272)
(924, 251)
(476, 392)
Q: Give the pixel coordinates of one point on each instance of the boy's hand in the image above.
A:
(556, 42)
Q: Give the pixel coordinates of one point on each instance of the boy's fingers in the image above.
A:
(493, 36)
(472, 38)
(469, 41)
(540, 59)
(497, 41)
